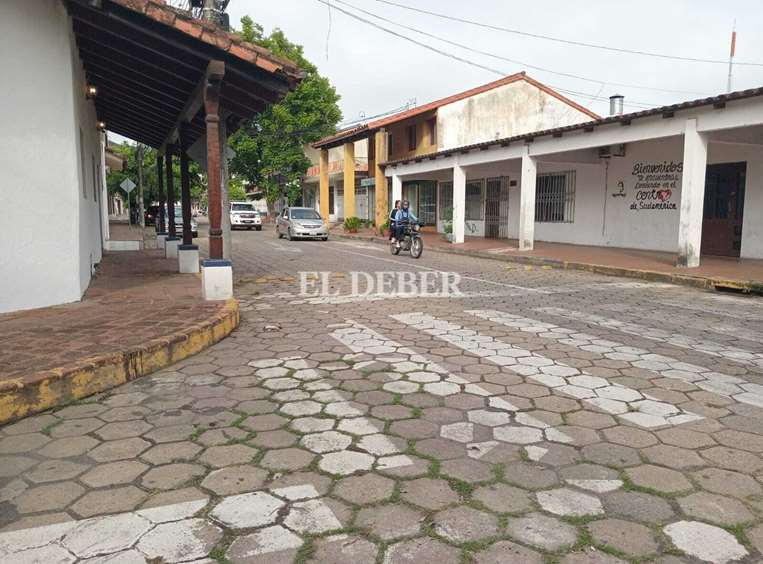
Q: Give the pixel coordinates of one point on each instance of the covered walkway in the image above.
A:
(138, 315)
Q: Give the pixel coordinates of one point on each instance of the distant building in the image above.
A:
(510, 106)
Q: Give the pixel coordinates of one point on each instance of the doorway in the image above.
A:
(497, 208)
(723, 209)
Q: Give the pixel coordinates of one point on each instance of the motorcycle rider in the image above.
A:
(391, 219)
(402, 218)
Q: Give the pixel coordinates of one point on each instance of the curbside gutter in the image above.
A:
(705, 282)
(38, 391)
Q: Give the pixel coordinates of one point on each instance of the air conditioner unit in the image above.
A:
(613, 151)
(618, 150)
(604, 153)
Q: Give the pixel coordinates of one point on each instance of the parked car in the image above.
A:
(178, 222)
(243, 214)
(301, 223)
(152, 216)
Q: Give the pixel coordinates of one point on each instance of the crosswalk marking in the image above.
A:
(706, 346)
(626, 403)
(668, 367)
(417, 371)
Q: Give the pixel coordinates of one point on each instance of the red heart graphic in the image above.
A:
(664, 195)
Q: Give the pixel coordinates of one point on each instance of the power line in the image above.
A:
(456, 57)
(567, 41)
(516, 62)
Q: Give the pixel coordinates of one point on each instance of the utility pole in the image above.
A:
(141, 210)
(732, 52)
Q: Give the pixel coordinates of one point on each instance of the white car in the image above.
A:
(244, 215)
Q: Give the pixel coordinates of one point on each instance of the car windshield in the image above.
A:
(242, 207)
(305, 214)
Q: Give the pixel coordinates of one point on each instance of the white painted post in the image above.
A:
(459, 203)
(397, 188)
(692, 195)
(527, 201)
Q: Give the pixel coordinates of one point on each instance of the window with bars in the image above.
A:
(474, 208)
(445, 201)
(555, 197)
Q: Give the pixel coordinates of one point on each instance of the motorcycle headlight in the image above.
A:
(416, 227)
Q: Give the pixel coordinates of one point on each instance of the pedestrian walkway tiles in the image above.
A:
(626, 403)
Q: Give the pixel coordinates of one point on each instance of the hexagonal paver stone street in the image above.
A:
(181, 541)
(105, 535)
(48, 497)
(657, 478)
(706, 542)
(507, 552)
(343, 549)
(311, 517)
(275, 541)
(428, 493)
(541, 531)
(724, 511)
(422, 550)
(569, 503)
(631, 538)
(221, 456)
(502, 498)
(247, 510)
(235, 479)
(286, 459)
(345, 462)
(389, 522)
(463, 524)
(122, 472)
(327, 441)
(361, 490)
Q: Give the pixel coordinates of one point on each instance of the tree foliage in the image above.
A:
(150, 183)
(270, 149)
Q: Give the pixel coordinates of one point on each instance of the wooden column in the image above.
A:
(185, 187)
(323, 182)
(349, 180)
(162, 199)
(170, 192)
(215, 74)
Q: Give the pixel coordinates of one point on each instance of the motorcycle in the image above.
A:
(411, 241)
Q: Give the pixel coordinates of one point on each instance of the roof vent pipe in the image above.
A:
(616, 105)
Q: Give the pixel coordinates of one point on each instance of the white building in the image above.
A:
(686, 178)
(511, 106)
(72, 68)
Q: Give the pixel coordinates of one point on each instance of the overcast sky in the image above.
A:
(374, 71)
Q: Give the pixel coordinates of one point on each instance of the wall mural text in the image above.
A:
(655, 184)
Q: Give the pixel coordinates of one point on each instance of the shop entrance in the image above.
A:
(723, 210)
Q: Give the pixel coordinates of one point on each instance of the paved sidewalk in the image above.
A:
(136, 303)
(714, 272)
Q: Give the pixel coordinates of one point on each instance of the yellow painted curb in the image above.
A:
(42, 390)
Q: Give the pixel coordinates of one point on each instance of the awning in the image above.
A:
(149, 62)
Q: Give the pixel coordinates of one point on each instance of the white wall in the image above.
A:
(512, 109)
(50, 231)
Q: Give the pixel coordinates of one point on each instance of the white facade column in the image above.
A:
(459, 203)
(527, 201)
(692, 196)
(397, 188)
(105, 232)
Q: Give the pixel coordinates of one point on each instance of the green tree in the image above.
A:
(129, 152)
(270, 149)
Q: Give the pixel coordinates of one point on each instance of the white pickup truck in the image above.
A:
(244, 215)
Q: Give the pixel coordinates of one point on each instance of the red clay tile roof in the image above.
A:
(449, 100)
(718, 102)
(213, 35)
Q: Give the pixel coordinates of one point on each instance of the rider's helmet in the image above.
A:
(405, 204)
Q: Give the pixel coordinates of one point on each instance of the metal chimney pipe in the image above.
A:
(616, 105)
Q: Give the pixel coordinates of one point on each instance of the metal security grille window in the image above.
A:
(475, 211)
(445, 201)
(555, 197)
